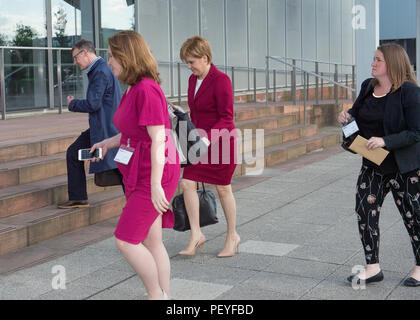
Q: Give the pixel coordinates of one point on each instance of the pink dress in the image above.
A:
(144, 105)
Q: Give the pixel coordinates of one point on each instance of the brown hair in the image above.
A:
(133, 54)
(84, 44)
(397, 64)
(196, 47)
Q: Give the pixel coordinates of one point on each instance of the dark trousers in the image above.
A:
(372, 187)
(76, 175)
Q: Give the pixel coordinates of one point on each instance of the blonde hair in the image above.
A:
(397, 64)
(132, 52)
(196, 47)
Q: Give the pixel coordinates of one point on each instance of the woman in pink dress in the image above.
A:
(210, 100)
(147, 159)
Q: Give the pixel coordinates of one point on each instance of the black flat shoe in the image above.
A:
(411, 282)
(376, 278)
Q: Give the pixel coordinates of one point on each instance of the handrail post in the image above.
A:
(267, 79)
(274, 85)
(179, 83)
(347, 84)
(307, 87)
(294, 82)
(2, 85)
(353, 81)
(335, 85)
(255, 84)
(316, 83)
(59, 83)
(305, 84)
(233, 83)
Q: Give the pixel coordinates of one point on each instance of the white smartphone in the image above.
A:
(84, 154)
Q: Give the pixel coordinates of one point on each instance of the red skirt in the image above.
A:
(215, 167)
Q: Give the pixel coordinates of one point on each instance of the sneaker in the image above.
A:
(73, 204)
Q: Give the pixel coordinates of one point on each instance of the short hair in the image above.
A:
(398, 65)
(84, 44)
(196, 47)
(133, 54)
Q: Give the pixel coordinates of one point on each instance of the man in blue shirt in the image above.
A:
(102, 98)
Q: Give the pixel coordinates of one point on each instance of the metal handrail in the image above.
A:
(306, 74)
(313, 74)
(311, 60)
(252, 74)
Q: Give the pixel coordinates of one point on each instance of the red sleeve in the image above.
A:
(224, 102)
(150, 110)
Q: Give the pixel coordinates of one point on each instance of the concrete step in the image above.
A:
(34, 147)
(38, 225)
(32, 169)
(325, 138)
(35, 195)
(251, 112)
(268, 123)
(279, 136)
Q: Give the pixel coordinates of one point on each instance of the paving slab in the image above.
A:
(299, 241)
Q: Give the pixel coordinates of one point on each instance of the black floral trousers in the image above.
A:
(372, 187)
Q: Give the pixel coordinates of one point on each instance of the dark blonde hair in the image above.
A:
(133, 54)
(196, 47)
(397, 64)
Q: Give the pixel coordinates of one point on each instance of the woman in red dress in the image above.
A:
(151, 173)
(211, 105)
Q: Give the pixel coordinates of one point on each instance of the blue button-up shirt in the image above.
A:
(93, 62)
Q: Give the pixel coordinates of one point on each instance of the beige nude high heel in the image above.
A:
(232, 252)
(193, 251)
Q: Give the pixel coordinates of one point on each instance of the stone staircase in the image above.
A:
(33, 175)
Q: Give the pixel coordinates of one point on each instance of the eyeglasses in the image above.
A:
(75, 56)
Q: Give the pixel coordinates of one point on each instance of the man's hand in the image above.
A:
(69, 99)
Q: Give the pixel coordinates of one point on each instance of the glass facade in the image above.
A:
(242, 33)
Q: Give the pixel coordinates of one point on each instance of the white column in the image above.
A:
(366, 25)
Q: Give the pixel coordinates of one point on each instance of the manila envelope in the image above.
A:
(376, 155)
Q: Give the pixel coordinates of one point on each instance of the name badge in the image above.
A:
(350, 128)
(124, 154)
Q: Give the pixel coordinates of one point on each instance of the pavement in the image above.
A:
(299, 241)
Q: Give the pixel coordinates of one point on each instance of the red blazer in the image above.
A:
(212, 106)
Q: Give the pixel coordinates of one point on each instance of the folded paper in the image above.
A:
(376, 155)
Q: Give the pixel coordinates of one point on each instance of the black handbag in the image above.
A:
(185, 136)
(345, 144)
(108, 178)
(208, 211)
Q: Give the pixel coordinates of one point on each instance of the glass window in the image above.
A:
(23, 23)
(26, 76)
(66, 23)
(237, 40)
(114, 16)
(323, 33)
(277, 26)
(212, 26)
(335, 31)
(185, 25)
(66, 31)
(294, 32)
(257, 12)
(154, 27)
(347, 35)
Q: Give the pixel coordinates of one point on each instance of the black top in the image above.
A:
(371, 124)
(401, 122)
